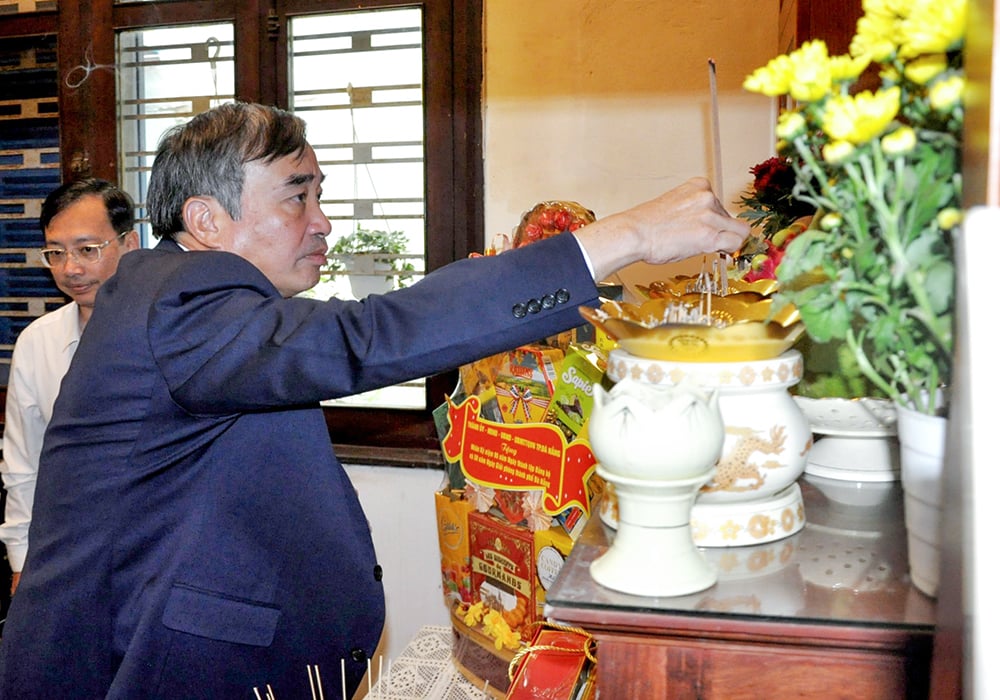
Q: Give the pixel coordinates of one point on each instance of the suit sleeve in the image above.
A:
(233, 344)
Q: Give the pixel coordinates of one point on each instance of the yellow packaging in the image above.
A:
(604, 342)
(453, 541)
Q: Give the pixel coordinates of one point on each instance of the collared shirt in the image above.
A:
(41, 357)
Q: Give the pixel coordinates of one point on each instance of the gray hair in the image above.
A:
(205, 157)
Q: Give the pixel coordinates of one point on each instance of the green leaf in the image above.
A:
(940, 286)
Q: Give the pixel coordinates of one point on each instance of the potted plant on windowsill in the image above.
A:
(371, 259)
(876, 267)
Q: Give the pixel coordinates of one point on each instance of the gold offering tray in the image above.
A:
(743, 327)
(682, 285)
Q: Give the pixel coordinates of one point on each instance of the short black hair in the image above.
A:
(117, 202)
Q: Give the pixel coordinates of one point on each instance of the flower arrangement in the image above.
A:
(875, 268)
(771, 207)
(770, 204)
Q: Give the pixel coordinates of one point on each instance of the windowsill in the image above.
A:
(390, 456)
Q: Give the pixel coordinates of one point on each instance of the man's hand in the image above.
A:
(687, 221)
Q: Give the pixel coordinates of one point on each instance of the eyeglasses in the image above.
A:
(85, 254)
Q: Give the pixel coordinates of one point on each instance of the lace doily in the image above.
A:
(425, 670)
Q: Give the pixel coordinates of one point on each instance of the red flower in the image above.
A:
(770, 204)
(773, 180)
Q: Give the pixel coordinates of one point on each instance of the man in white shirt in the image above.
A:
(88, 226)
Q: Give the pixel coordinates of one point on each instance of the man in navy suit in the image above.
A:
(225, 548)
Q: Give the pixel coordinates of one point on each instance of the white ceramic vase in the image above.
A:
(922, 451)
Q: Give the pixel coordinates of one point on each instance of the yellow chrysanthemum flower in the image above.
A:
(805, 74)
(771, 80)
(837, 151)
(899, 142)
(947, 93)
(847, 67)
(831, 221)
(886, 8)
(860, 118)
(932, 26)
(491, 621)
(790, 125)
(875, 38)
(924, 69)
(812, 78)
(506, 637)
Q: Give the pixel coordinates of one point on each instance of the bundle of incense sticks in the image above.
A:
(714, 281)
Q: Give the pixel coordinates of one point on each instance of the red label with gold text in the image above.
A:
(519, 457)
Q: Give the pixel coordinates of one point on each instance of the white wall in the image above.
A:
(399, 504)
(607, 102)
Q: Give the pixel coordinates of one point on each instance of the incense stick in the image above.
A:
(716, 138)
(319, 683)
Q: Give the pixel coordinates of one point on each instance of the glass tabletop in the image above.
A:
(847, 565)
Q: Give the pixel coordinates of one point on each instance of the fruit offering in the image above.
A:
(550, 218)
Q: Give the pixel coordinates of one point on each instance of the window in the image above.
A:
(357, 80)
(165, 76)
(416, 67)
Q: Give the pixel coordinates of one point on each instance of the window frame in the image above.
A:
(453, 72)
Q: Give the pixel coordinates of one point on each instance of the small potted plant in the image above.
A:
(371, 259)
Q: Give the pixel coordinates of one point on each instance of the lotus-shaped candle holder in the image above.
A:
(657, 445)
(633, 423)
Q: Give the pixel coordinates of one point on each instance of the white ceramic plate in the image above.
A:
(864, 417)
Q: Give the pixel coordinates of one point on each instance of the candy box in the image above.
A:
(552, 546)
(478, 379)
(503, 573)
(559, 664)
(512, 567)
(582, 367)
(525, 382)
